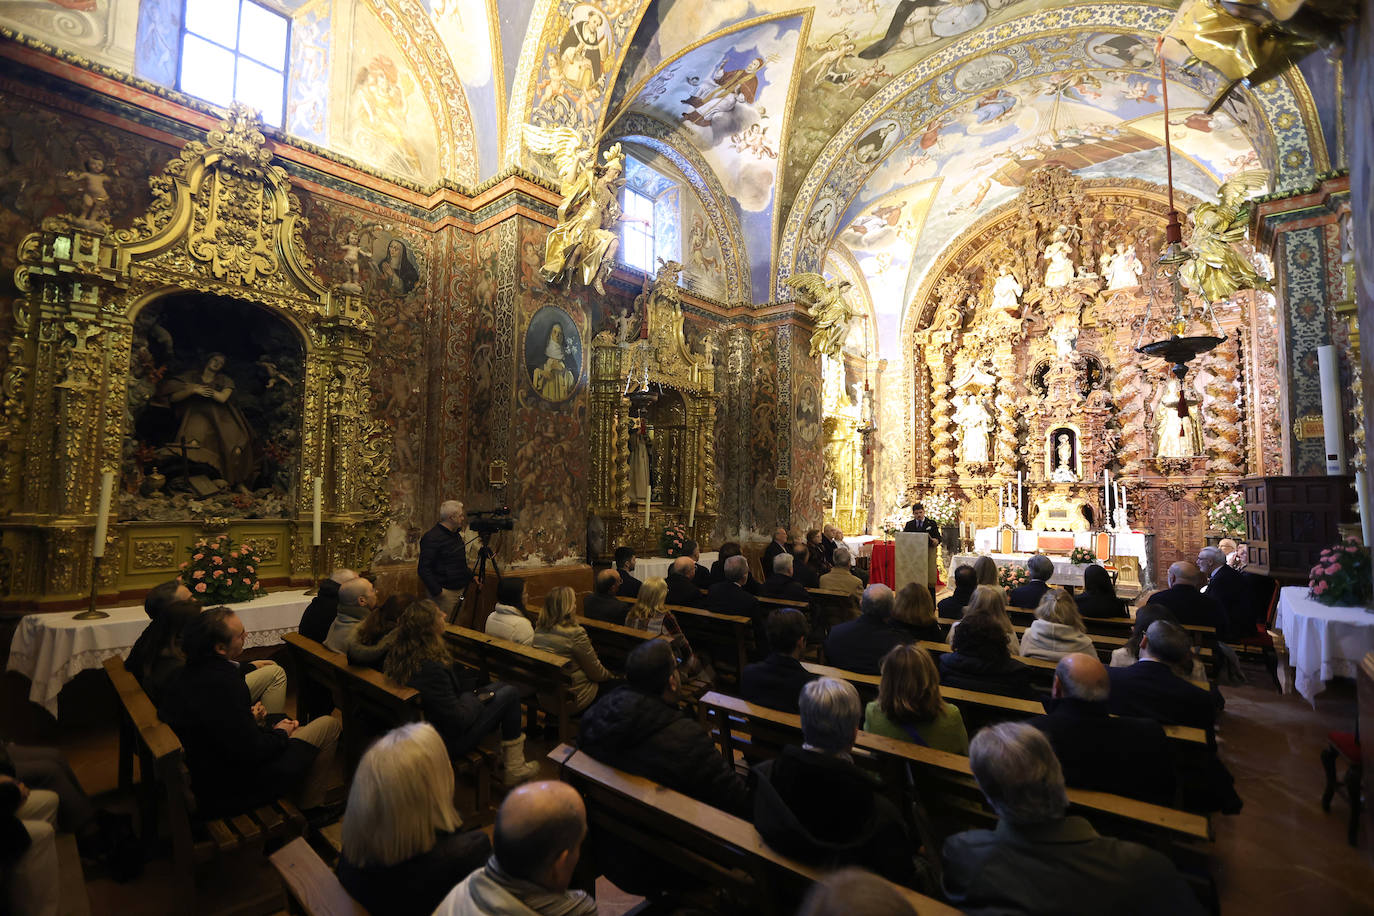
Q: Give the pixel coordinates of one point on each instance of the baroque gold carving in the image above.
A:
(154, 553)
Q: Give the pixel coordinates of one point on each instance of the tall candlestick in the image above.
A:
(648, 501)
(1107, 495)
(692, 509)
(1329, 372)
(1001, 504)
(1018, 496)
(1123, 500)
(102, 516)
(316, 539)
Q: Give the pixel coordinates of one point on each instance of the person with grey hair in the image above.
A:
(1122, 755)
(1038, 860)
(443, 566)
(324, 607)
(841, 578)
(780, 583)
(731, 597)
(1040, 568)
(1152, 690)
(1190, 606)
(860, 644)
(780, 544)
(815, 804)
(357, 597)
(1229, 588)
(682, 587)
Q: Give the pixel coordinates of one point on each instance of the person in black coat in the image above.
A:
(982, 661)
(778, 545)
(952, 606)
(443, 565)
(324, 607)
(682, 587)
(727, 550)
(237, 762)
(701, 576)
(730, 597)
(602, 604)
(831, 537)
(1228, 588)
(815, 804)
(1152, 690)
(803, 570)
(781, 584)
(1190, 606)
(860, 644)
(1040, 568)
(1121, 755)
(776, 682)
(1098, 598)
(922, 525)
(625, 565)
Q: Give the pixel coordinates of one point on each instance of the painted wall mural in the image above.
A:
(307, 92)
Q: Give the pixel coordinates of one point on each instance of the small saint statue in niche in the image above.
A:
(1059, 270)
(975, 429)
(1122, 269)
(1006, 291)
(1177, 435)
(352, 251)
(1063, 458)
(212, 431)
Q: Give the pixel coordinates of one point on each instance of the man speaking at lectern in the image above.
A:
(919, 523)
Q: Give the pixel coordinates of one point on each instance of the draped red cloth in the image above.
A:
(882, 567)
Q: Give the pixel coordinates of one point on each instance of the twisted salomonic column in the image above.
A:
(1221, 411)
(941, 412)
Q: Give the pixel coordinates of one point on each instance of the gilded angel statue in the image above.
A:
(1218, 270)
(584, 243)
(825, 302)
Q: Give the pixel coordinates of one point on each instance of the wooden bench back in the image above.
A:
(312, 884)
(727, 638)
(613, 642)
(500, 659)
(1042, 671)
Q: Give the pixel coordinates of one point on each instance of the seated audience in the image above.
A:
(559, 632)
(732, 597)
(779, 545)
(860, 644)
(831, 536)
(420, 659)
(602, 604)
(776, 682)
(236, 761)
(1098, 597)
(639, 728)
(625, 565)
(403, 850)
(1117, 754)
(854, 892)
(803, 571)
(727, 550)
(538, 840)
(952, 606)
(909, 706)
(156, 657)
(507, 618)
(1038, 860)
(986, 568)
(1228, 588)
(989, 601)
(815, 552)
(370, 640)
(1057, 630)
(841, 577)
(815, 804)
(681, 582)
(324, 607)
(701, 576)
(981, 661)
(781, 584)
(32, 882)
(161, 597)
(913, 614)
(1191, 669)
(1040, 568)
(356, 598)
(1151, 689)
(1190, 606)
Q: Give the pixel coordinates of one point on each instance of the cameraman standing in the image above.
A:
(444, 562)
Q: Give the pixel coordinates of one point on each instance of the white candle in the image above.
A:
(1366, 523)
(1329, 371)
(648, 500)
(692, 509)
(1001, 504)
(834, 500)
(1018, 494)
(1107, 494)
(694, 373)
(1123, 500)
(102, 515)
(319, 498)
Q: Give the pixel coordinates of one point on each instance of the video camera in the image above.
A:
(488, 521)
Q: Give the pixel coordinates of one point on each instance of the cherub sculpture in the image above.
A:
(1218, 270)
(825, 302)
(583, 244)
(93, 182)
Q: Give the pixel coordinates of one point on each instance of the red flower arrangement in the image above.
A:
(221, 572)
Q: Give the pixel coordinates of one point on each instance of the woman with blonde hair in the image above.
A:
(986, 568)
(1057, 630)
(648, 610)
(402, 849)
(913, 613)
(990, 601)
(909, 706)
(558, 631)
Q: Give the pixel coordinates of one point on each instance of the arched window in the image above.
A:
(235, 50)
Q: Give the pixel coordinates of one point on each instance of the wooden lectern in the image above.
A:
(915, 559)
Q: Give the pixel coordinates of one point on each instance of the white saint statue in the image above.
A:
(1176, 436)
(1058, 269)
(1065, 337)
(1122, 269)
(1063, 452)
(1006, 291)
(975, 429)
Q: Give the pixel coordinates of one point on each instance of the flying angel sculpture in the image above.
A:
(825, 302)
(1218, 270)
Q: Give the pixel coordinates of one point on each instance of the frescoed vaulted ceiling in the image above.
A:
(832, 136)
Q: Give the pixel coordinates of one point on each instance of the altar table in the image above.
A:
(651, 567)
(1128, 543)
(1065, 573)
(51, 648)
(1323, 642)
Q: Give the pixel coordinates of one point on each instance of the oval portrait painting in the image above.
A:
(553, 354)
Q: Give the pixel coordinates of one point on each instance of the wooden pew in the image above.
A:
(945, 786)
(311, 885)
(718, 848)
(195, 842)
(1042, 671)
(613, 643)
(1104, 643)
(829, 607)
(727, 638)
(500, 659)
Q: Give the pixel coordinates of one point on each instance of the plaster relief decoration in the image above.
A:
(101, 30)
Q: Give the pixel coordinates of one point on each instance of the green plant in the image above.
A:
(1341, 576)
(221, 572)
(1082, 555)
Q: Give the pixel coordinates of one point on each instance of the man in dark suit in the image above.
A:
(830, 538)
(860, 644)
(1228, 588)
(776, 682)
(805, 574)
(1150, 689)
(682, 588)
(625, 565)
(1040, 568)
(602, 604)
(731, 597)
(701, 575)
(781, 584)
(1121, 755)
(952, 606)
(1190, 606)
(920, 523)
(778, 545)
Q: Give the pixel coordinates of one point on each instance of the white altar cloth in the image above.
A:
(1128, 544)
(51, 648)
(1065, 573)
(1323, 642)
(649, 567)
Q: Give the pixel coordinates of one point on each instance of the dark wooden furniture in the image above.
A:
(312, 888)
(1290, 520)
(497, 659)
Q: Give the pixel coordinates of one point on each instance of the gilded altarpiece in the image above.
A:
(223, 223)
(1023, 365)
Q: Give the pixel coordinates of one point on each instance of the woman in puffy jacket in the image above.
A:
(559, 632)
(1057, 630)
